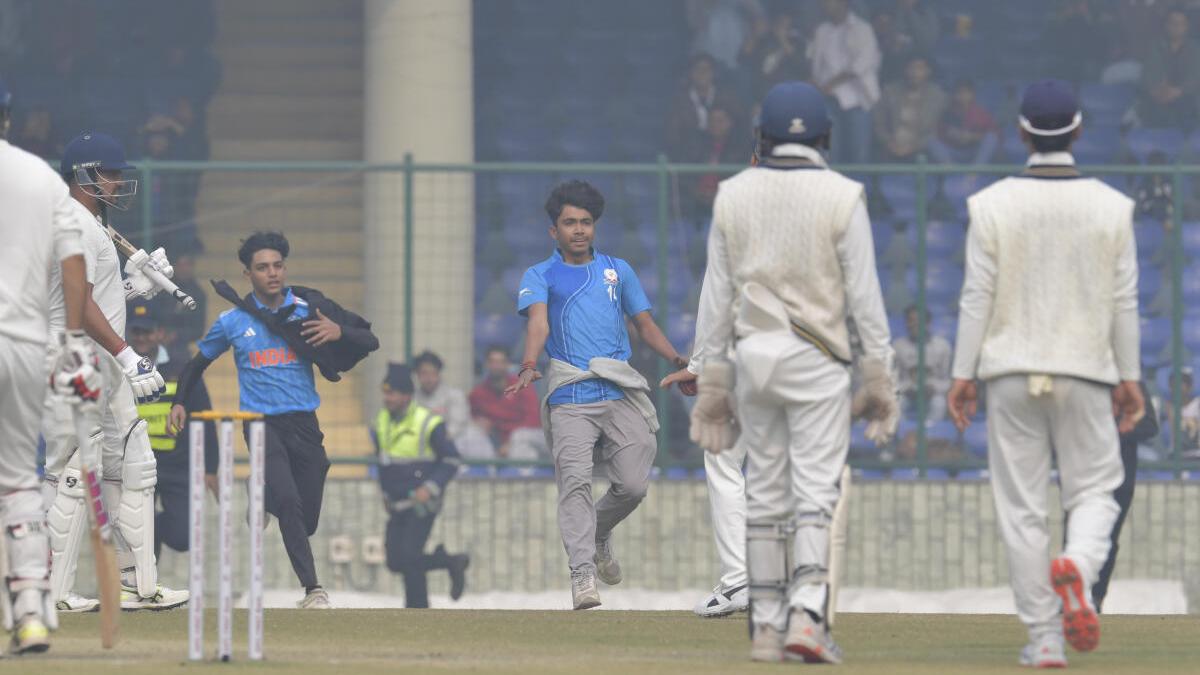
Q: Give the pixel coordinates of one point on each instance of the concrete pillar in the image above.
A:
(418, 99)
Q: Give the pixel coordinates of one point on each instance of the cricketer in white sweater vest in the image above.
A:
(1048, 318)
(790, 258)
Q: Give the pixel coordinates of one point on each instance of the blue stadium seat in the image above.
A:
(1191, 331)
(1191, 239)
(1150, 236)
(942, 431)
(943, 239)
(943, 281)
(681, 330)
(1106, 103)
(497, 329)
(900, 193)
(944, 325)
(975, 439)
(1097, 146)
(1146, 140)
(1156, 333)
(1191, 288)
(1150, 278)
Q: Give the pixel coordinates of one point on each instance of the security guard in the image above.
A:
(145, 334)
(416, 462)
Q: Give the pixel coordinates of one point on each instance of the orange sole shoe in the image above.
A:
(1081, 626)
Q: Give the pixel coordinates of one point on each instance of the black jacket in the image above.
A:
(331, 359)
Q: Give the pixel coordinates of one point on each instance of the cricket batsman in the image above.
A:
(576, 302)
(92, 165)
(1048, 318)
(40, 233)
(790, 258)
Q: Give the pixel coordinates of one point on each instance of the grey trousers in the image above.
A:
(615, 434)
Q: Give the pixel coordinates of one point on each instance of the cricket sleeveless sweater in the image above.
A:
(782, 229)
(1055, 244)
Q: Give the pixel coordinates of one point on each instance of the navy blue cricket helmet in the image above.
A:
(95, 160)
(794, 112)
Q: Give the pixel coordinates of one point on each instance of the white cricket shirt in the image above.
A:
(38, 228)
(103, 272)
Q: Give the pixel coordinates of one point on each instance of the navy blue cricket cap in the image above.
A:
(398, 378)
(93, 150)
(1050, 108)
(141, 315)
(794, 111)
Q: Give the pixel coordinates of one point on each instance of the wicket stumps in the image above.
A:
(196, 499)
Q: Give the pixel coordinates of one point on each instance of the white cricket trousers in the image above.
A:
(1075, 420)
(796, 432)
(23, 384)
(727, 499)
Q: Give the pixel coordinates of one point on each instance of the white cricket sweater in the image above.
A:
(1051, 281)
(782, 229)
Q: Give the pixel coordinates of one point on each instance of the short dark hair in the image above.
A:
(964, 83)
(578, 193)
(260, 241)
(492, 349)
(1058, 143)
(427, 357)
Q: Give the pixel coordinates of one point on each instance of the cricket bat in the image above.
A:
(157, 277)
(108, 576)
(837, 543)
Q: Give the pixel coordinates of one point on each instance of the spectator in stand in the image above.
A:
(967, 133)
(907, 29)
(514, 424)
(938, 361)
(720, 27)
(724, 144)
(916, 24)
(1155, 193)
(1189, 413)
(687, 127)
(37, 134)
(1077, 40)
(907, 116)
(774, 53)
(1171, 79)
(440, 397)
(845, 65)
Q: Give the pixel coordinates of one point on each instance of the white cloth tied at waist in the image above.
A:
(620, 373)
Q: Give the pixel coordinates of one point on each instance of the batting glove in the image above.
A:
(158, 260)
(143, 377)
(876, 402)
(138, 285)
(75, 376)
(713, 425)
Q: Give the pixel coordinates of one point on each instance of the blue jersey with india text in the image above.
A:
(272, 379)
(586, 306)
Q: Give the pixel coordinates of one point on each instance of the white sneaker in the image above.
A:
(583, 590)
(723, 603)
(73, 603)
(163, 598)
(607, 567)
(809, 640)
(317, 598)
(1045, 651)
(766, 645)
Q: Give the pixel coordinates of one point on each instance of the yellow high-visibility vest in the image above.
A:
(406, 439)
(155, 415)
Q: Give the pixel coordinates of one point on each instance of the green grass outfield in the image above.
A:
(359, 642)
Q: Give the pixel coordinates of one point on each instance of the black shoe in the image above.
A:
(458, 574)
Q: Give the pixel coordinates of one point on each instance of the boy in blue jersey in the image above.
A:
(577, 302)
(274, 381)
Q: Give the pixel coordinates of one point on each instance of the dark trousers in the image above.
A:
(296, 466)
(1124, 497)
(171, 523)
(407, 534)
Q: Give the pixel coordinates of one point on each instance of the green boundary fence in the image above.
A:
(663, 170)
